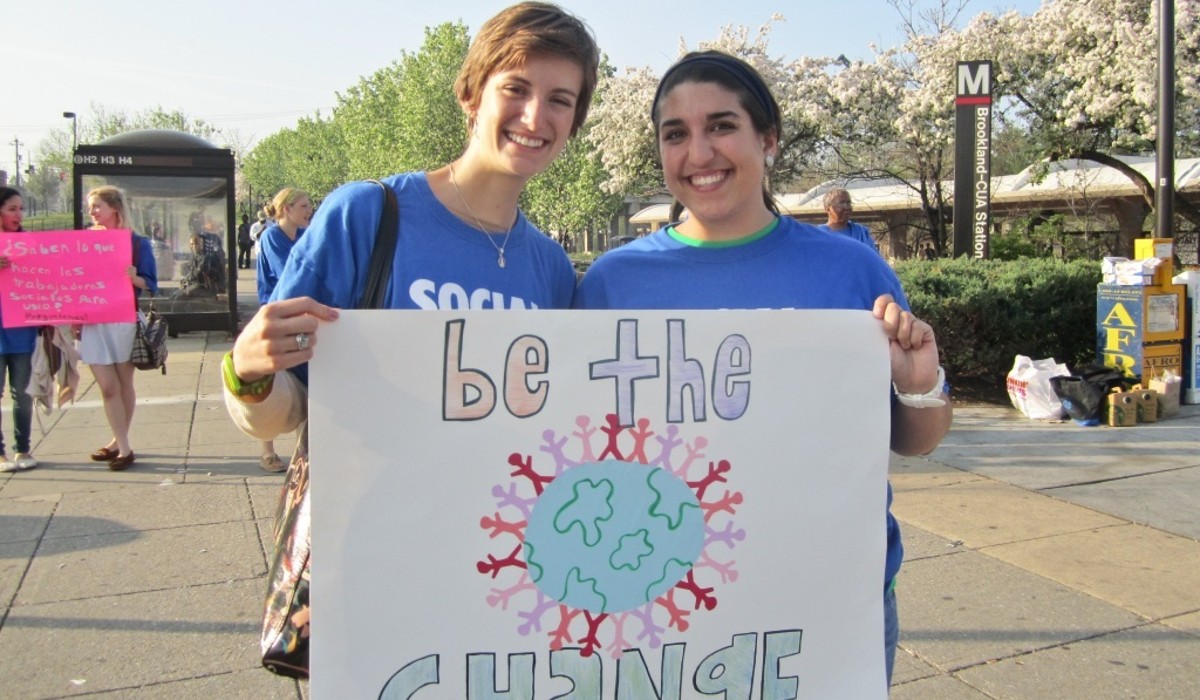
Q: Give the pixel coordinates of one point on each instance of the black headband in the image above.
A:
(733, 67)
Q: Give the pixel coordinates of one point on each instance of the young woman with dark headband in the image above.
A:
(718, 131)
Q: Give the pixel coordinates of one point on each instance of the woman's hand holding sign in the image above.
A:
(282, 335)
(916, 428)
(912, 346)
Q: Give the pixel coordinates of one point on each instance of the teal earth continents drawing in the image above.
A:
(612, 536)
(615, 535)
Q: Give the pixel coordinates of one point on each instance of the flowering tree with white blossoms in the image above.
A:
(621, 128)
(868, 119)
(889, 119)
(1085, 73)
(1079, 77)
(1084, 79)
(922, 123)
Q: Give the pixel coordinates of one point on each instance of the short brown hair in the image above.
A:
(523, 30)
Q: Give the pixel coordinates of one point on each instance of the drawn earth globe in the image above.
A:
(611, 536)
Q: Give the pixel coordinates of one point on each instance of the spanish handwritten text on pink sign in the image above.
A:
(66, 277)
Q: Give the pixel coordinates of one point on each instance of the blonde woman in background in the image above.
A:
(291, 209)
(106, 347)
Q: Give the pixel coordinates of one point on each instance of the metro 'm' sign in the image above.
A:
(974, 83)
(973, 158)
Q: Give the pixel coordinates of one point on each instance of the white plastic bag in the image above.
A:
(1029, 387)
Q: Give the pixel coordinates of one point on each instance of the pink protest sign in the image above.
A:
(58, 277)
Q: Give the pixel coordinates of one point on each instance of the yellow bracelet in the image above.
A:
(239, 388)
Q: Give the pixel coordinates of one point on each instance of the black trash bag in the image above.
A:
(1082, 393)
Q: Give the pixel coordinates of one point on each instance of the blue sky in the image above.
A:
(257, 67)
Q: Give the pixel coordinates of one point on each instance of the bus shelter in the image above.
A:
(180, 192)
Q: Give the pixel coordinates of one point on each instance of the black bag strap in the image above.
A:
(380, 270)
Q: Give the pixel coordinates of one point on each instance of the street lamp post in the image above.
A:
(74, 130)
(71, 160)
(16, 142)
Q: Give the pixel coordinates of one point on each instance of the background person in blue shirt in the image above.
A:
(292, 211)
(16, 352)
(838, 208)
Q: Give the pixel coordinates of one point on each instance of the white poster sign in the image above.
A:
(595, 505)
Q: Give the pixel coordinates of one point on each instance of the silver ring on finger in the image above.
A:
(302, 341)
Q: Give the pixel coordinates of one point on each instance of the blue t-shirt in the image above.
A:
(440, 261)
(274, 247)
(795, 266)
(147, 267)
(854, 231)
(17, 341)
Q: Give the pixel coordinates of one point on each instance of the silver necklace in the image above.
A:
(479, 224)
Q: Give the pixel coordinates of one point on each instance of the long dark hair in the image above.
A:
(7, 193)
(736, 76)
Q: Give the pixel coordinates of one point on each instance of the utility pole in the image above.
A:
(16, 142)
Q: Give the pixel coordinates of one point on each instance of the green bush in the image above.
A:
(985, 312)
(581, 261)
(49, 222)
(1038, 236)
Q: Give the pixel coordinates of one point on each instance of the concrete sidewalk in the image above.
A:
(148, 582)
(1044, 560)
(1051, 561)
